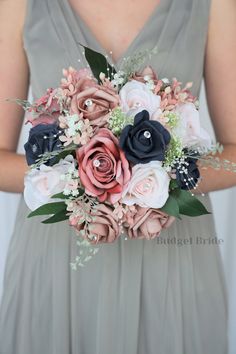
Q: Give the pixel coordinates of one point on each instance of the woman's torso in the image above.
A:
(53, 31)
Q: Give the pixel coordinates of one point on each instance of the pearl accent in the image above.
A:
(96, 163)
(136, 105)
(147, 186)
(147, 134)
(146, 77)
(88, 102)
(34, 148)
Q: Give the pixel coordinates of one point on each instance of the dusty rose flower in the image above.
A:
(95, 103)
(42, 119)
(146, 73)
(147, 223)
(48, 102)
(103, 227)
(175, 94)
(45, 110)
(103, 168)
(76, 81)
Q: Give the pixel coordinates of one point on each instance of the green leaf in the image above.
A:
(173, 184)
(189, 205)
(171, 207)
(59, 196)
(61, 216)
(23, 103)
(98, 63)
(47, 209)
(62, 155)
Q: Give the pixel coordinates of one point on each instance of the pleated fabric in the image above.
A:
(164, 296)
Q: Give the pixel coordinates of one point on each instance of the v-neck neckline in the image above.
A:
(133, 42)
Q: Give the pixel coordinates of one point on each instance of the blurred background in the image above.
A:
(224, 206)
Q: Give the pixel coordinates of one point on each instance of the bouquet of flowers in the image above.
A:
(115, 153)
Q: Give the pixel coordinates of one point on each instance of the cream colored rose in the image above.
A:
(135, 96)
(148, 187)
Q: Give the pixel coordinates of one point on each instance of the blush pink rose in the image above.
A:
(135, 97)
(103, 227)
(95, 103)
(148, 186)
(147, 223)
(189, 128)
(41, 184)
(103, 168)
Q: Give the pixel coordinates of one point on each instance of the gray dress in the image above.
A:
(133, 297)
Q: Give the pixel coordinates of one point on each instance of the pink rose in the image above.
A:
(95, 103)
(103, 168)
(147, 223)
(45, 110)
(103, 227)
(41, 184)
(148, 186)
(76, 81)
(189, 128)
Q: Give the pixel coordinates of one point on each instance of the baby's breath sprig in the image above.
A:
(130, 65)
(73, 187)
(217, 148)
(172, 119)
(60, 153)
(217, 163)
(118, 120)
(86, 252)
(81, 209)
(119, 79)
(62, 100)
(26, 105)
(173, 153)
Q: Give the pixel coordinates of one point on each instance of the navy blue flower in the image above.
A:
(144, 141)
(187, 173)
(42, 138)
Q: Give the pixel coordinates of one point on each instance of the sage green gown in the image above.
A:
(134, 296)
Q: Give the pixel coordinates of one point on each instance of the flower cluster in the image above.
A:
(119, 151)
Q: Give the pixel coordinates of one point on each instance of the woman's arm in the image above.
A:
(13, 84)
(220, 81)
